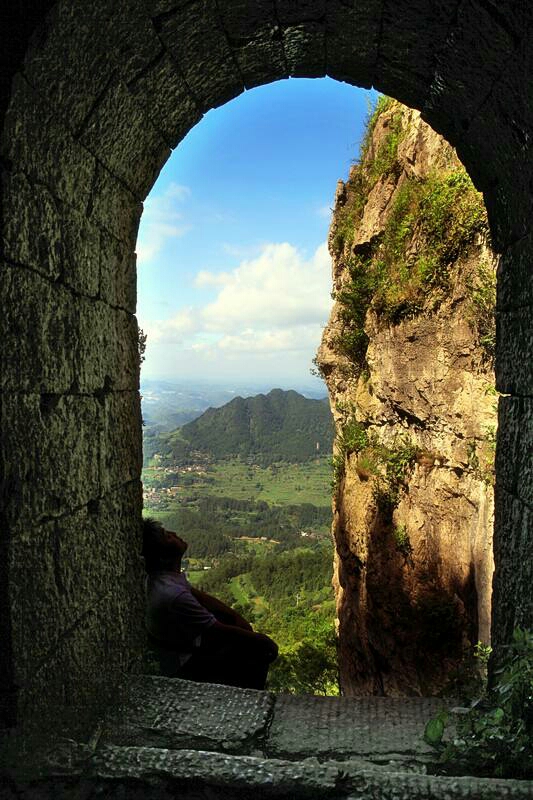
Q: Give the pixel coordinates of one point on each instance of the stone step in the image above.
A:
(176, 714)
(173, 738)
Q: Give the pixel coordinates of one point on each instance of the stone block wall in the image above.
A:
(92, 98)
(513, 544)
(71, 433)
(71, 448)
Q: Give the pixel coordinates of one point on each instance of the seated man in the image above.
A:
(211, 641)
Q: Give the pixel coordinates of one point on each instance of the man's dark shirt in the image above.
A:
(173, 615)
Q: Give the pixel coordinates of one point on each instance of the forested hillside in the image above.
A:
(212, 524)
(278, 426)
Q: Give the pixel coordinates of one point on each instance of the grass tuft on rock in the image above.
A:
(409, 268)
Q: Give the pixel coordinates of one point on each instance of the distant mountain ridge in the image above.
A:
(279, 426)
(168, 404)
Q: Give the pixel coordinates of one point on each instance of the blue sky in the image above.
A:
(234, 277)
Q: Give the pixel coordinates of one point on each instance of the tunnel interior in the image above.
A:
(94, 98)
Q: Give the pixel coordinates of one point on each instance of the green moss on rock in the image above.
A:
(408, 268)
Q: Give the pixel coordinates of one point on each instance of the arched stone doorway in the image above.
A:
(94, 96)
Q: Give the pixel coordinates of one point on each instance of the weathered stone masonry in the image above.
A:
(94, 96)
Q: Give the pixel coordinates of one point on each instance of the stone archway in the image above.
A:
(93, 99)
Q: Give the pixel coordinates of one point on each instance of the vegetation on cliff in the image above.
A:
(494, 735)
(411, 266)
(389, 464)
(407, 358)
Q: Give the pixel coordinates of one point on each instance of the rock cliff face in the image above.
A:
(407, 357)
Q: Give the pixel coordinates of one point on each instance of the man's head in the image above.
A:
(162, 549)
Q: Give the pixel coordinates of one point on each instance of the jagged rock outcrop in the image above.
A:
(407, 357)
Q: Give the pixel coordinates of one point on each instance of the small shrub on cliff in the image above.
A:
(483, 304)
(141, 344)
(451, 212)
(490, 455)
(482, 652)
(383, 103)
(400, 221)
(354, 299)
(402, 542)
(481, 456)
(472, 456)
(494, 736)
(400, 459)
(348, 215)
(337, 469)
(386, 159)
(367, 465)
(398, 462)
(386, 497)
(363, 178)
(352, 439)
(318, 370)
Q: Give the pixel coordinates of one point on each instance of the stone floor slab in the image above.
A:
(379, 729)
(157, 774)
(226, 776)
(178, 714)
(179, 739)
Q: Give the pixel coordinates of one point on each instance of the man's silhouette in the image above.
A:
(197, 636)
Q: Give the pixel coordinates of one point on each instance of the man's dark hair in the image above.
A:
(160, 550)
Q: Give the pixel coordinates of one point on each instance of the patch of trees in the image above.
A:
(307, 662)
(205, 536)
(151, 443)
(216, 581)
(164, 480)
(266, 519)
(209, 524)
(278, 576)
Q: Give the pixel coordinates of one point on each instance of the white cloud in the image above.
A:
(177, 191)
(269, 310)
(297, 339)
(279, 288)
(205, 279)
(161, 221)
(242, 251)
(173, 330)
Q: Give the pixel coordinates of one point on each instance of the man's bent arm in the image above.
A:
(222, 612)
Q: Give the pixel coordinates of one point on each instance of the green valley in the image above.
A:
(277, 483)
(258, 526)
